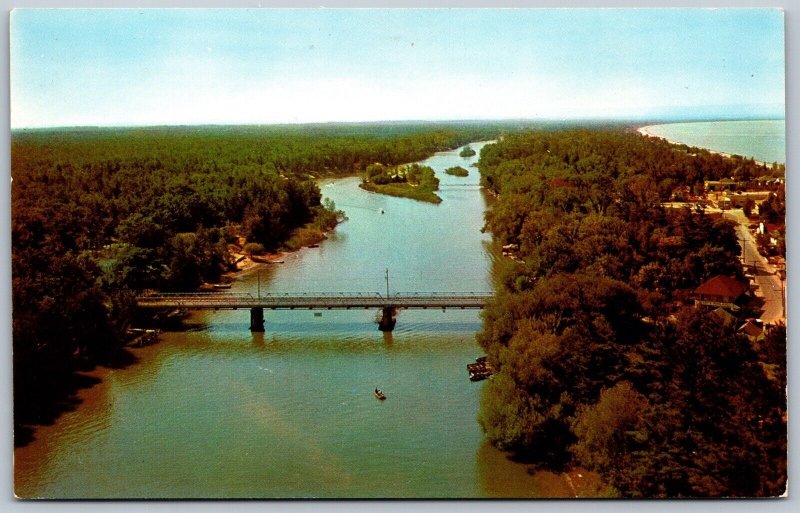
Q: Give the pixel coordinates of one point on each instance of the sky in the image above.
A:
(260, 66)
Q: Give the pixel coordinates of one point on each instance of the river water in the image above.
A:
(216, 411)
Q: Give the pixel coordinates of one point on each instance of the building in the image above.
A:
(720, 291)
(720, 185)
(724, 316)
(753, 331)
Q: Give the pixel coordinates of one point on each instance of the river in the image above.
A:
(216, 411)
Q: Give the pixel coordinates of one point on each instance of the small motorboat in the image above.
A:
(380, 395)
(221, 286)
(382, 211)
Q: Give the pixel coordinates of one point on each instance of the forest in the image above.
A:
(99, 214)
(602, 363)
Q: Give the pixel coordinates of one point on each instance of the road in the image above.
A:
(770, 286)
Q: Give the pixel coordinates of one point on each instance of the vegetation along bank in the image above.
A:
(603, 361)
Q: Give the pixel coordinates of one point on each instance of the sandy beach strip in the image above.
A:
(646, 131)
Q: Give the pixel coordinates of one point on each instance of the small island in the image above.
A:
(457, 171)
(412, 181)
(467, 151)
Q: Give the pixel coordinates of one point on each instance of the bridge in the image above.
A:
(388, 304)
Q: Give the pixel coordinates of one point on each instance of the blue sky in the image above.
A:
(147, 67)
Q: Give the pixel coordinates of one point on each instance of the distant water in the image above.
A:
(763, 140)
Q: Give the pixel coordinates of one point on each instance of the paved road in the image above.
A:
(770, 286)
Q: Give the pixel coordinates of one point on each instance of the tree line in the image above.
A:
(601, 363)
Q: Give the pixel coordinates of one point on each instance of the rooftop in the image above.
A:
(724, 286)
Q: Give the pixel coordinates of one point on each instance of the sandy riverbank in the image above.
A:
(246, 264)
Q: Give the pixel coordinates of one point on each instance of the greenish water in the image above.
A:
(763, 140)
(219, 412)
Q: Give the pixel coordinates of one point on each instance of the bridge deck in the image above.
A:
(313, 301)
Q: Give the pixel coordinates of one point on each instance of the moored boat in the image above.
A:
(479, 370)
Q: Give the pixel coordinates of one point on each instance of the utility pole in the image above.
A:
(259, 283)
(744, 252)
(387, 282)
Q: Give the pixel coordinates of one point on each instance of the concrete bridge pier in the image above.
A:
(388, 319)
(257, 320)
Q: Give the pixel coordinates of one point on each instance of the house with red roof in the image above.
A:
(753, 331)
(720, 291)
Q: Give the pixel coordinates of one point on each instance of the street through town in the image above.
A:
(770, 287)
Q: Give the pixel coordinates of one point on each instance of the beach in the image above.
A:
(712, 142)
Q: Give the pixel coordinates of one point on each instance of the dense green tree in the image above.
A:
(596, 366)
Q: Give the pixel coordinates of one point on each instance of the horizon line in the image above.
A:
(639, 121)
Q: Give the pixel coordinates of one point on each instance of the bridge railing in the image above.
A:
(170, 295)
(311, 300)
(330, 295)
(321, 294)
(442, 294)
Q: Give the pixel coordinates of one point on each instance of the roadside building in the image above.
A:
(752, 330)
(721, 291)
(766, 181)
(738, 199)
(725, 184)
(724, 316)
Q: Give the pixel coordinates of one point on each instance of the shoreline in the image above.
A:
(245, 264)
(644, 130)
(647, 133)
(403, 190)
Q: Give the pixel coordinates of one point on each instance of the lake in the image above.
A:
(763, 140)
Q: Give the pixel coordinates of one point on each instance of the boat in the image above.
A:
(313, 245)
(382, 211)
(222, 286)
(479, 370)
(379, 394)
